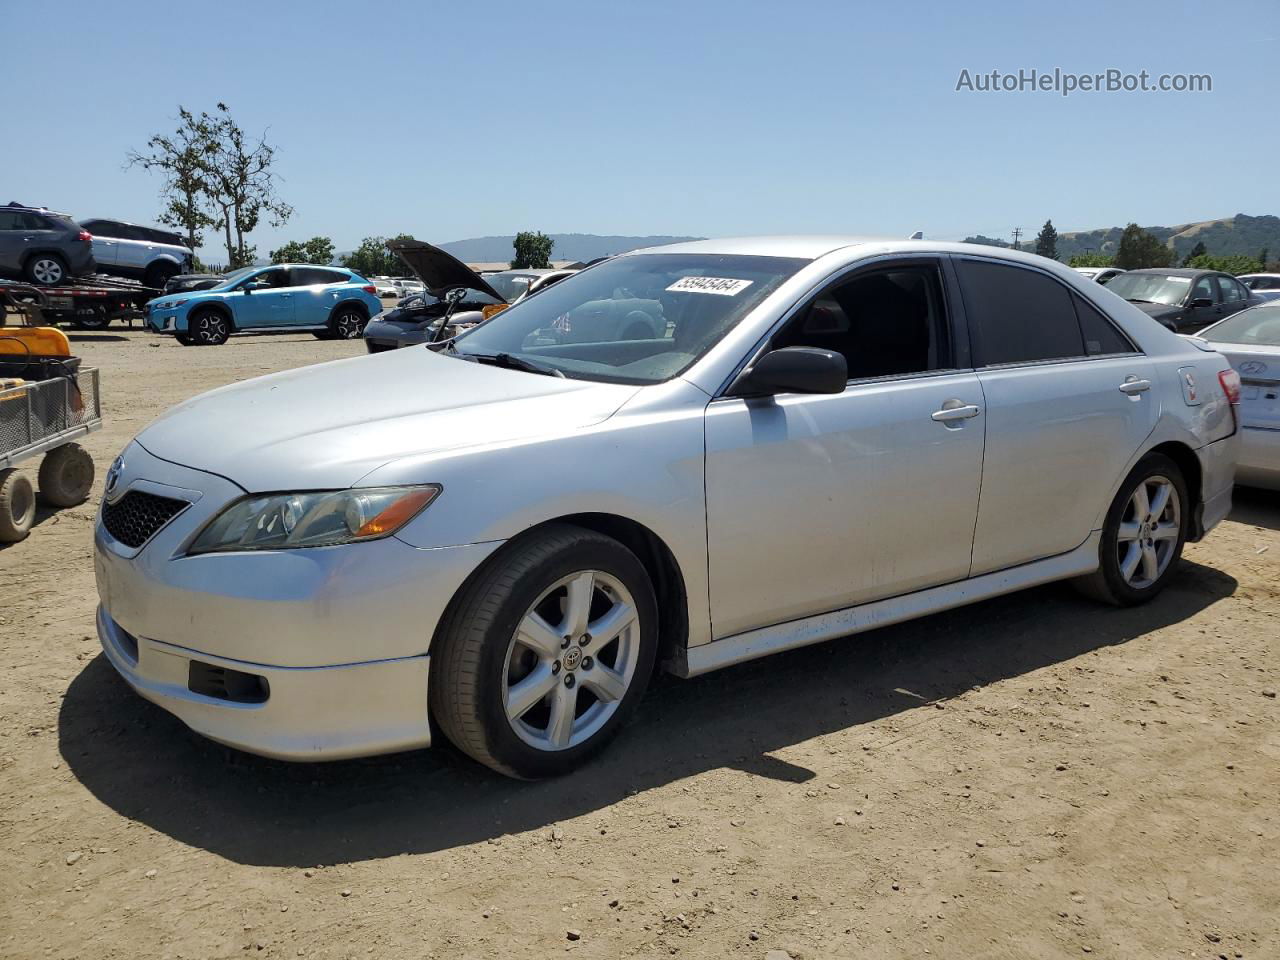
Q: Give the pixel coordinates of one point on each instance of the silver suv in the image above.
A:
(144, 253)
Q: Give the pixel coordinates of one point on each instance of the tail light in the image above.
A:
(1230, 381)
(85, 236)
(370, 289)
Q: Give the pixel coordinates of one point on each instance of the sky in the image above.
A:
(701, 117)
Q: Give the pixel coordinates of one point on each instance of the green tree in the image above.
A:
(373, 259)
(1262, 257)
(533, 250)
(1235, 263)
(317, 250)
(1047, 241)
(180, 157)
(1197, 251)
(1091, 260)
(1138, 249)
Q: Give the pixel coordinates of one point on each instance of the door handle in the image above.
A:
(1133, 386)
(954, 410)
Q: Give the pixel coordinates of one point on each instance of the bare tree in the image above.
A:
(180, 157)
(241, 184)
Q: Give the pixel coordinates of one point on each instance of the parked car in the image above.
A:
(1264, 285)
(43, 247)
(183, 282)
(331, 302)
(416, 319)
(1103, 275)
(1182, 299)
(143, 253)
(1250, 341)
(504, 537)
(385, 287)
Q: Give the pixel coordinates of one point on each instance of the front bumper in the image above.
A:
(338, 635)
(1259, 464)
(310, 713)
(386, 335)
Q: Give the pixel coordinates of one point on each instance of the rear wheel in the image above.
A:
(546, 653)
(209, 328)
(347, 323)
(94, 319)
(17, 506)
(158, 274)
(66, 476)
(46, 269)
(1143, 534)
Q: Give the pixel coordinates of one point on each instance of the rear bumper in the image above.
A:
(1259, 464)
(309, 713)
(1217, 477)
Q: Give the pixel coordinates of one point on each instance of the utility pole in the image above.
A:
(1017, 235)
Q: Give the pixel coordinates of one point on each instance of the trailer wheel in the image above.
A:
(17, 506)
(96, 319)
(66, 476)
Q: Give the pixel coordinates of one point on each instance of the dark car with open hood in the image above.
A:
(1182, 299)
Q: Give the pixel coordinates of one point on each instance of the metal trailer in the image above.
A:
(88, 303)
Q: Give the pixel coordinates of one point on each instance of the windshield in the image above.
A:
(234, 276)
(637, 319)
(1151, 287)
(1260, 325)
(510, 285)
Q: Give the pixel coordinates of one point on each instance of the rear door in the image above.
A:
(12, 244)
(315, 292)
(106, 245)
(1069, 400)
(1234, 295)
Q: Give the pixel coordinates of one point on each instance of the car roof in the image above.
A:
(1173, 271)
(318, 266)
(1250, 276)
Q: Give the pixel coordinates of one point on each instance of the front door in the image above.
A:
(815, 503)
(1069, 399)
(268, 304)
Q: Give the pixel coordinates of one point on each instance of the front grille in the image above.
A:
(135, 517)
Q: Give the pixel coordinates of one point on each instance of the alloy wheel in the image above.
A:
(349, 325)
(210, 330)
(571, 661)
(47, 271)
(1149, 530)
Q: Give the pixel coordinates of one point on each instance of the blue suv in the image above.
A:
(330, 302)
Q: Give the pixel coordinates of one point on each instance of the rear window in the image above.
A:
(306, 276)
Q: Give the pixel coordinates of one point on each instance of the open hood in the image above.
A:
(439, 271)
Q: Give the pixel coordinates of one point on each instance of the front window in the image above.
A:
(234, 277)
(637, 319)
(1259, 325)
(1151, 288)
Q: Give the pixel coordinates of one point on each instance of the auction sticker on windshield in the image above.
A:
(722, 286)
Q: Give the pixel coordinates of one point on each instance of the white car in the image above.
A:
(385, 287)
(1103, 275)
(144, 253)
(1265, 285)
(1250, 340)
(509, 533)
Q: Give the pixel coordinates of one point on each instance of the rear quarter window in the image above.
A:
(1101, 336)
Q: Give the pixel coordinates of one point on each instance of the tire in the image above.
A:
(491, 641)
(347, 322)
(208, 328)
(323, 334)
(46, 269)
(638, 326)
(17, 506)
(98, 320)
(184, 339)
(1131, 541)
(158, 274)
(66, 476)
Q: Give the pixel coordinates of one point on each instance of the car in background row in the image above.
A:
(140, 253)
(1182, 299)
(192, 281)
(330, 302)
(43, 247)
(1250, 341)
(1264, 285)
(416, 319)
(1102, 275)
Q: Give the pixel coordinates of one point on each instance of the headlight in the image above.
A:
(286, 520)
(174, 304)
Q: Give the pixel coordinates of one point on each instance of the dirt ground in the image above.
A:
(1031, 777)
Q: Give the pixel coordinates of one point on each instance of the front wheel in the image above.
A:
(209, 329)
(66, 476)
(17, 506)
(546, 653)
(1143, 534)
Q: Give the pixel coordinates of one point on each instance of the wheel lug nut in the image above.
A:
(555, 668)
(566, 641)
(587, 663)
(569, 681)
(586, 638)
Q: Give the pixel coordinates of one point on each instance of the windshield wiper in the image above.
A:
(1139, 300)
(512, 362)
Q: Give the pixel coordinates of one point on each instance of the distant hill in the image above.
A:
(1240, 234)
(568, 246)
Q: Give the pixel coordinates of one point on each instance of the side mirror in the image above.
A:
(794, 370)
(1202, 302)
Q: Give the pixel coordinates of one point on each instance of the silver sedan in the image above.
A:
(510, 531)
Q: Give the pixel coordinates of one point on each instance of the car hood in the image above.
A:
(329, 425)
(1157, 310)
(439, 271)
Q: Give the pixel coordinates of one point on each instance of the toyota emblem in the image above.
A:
(113, 475)
(1253, 366)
